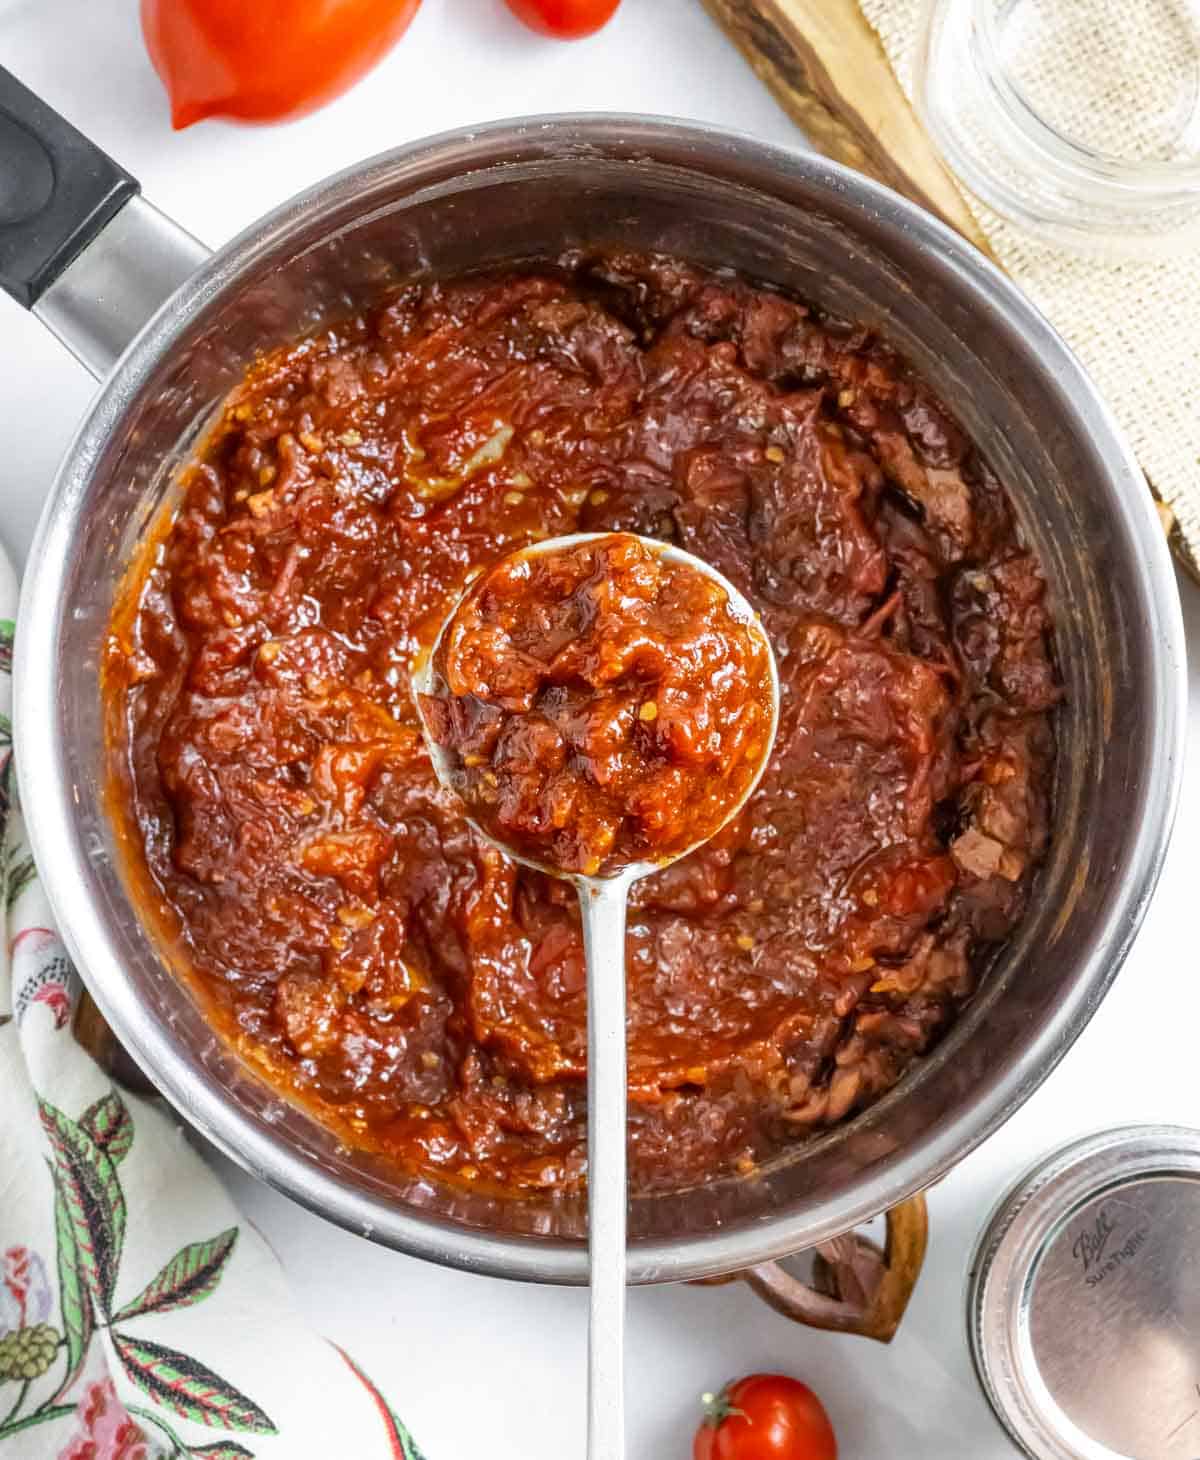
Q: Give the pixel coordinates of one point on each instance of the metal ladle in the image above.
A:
(602, 902)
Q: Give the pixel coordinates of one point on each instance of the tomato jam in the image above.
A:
(600, 705)
(347, 928)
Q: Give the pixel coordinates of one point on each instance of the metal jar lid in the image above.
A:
(1084, 1300)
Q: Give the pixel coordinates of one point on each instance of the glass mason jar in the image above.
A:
(1079, 119)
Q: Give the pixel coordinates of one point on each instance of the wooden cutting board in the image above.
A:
(826, 68)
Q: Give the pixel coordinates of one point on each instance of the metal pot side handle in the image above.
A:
(79, 245)
(856, 1287)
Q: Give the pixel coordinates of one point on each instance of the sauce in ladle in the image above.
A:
(600, 704)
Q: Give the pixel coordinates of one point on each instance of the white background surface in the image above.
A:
(478, 1367)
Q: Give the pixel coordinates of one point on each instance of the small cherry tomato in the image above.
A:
(765, 1417)
(266, 60)
(569, 20)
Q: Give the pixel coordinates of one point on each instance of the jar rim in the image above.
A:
(1012, 1262)
(1113, 173)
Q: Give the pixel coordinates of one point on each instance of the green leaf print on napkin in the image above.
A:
(188, 1387)
(89, 1222)
(16, 874)
(87, 1178)
(190, 1275)
(110, 1125)
(404, 1447)
(73, 1296)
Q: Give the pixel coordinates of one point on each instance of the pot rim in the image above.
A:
(44, 785)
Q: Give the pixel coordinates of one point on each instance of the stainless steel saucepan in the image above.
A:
(169, 328)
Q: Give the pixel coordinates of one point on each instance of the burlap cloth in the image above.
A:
(1135, 326)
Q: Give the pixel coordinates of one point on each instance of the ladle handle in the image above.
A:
(603, 908)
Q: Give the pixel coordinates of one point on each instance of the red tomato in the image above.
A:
(567, 19)
(266, 60)
(765, 1417)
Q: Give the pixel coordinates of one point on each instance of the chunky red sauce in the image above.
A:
(599, 705)
(342, 919)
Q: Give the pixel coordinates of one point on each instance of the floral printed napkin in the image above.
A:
(140, 1317)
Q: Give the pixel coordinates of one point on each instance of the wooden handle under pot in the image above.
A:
(93, 1034)
(857, 1287)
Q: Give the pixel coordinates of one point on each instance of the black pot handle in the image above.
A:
(57, 191)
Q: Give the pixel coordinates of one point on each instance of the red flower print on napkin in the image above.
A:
(107, 1432)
